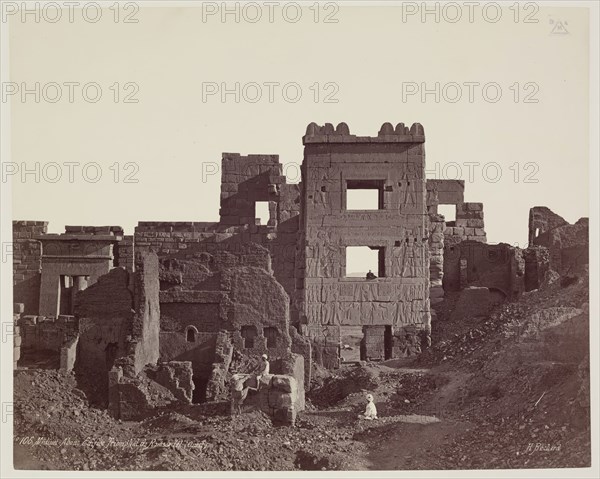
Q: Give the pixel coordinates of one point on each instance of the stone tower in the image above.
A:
(356, 317)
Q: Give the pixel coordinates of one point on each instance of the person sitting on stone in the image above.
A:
(370, 410)
(239, 392)
(370, 275)
(263, 369)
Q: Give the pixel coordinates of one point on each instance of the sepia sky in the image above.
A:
(526, 120)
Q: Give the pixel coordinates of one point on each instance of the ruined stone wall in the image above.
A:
(39, 333)
(157, 386)
(105, 313)
(568, 244)
(436, 257)
(217, 383)
(207, 287)
(125, 253)
(146, 319)
(248, 179)
(498, 267)
(301, 345)
(75, 255)
(281, 394)
(394, 164)
(175, 240)
(444, 192)
(468, 226)
(27, 263)
(255, 301)
(537, 263)
(542, 220)
(245, 180)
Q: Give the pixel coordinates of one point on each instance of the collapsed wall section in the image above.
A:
(568, 244)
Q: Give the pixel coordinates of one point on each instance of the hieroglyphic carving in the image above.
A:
(409, 259)
(410, 312)
(411, 292)
(323, 257)
(311, 260)
(408, 193)
(384, 291)
(353, 315)
(313, 293)
(364, 291)
(346, 290)
(313, 313)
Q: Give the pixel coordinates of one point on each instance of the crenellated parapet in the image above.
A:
(341, 134)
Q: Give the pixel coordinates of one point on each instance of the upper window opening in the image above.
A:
(364, 194)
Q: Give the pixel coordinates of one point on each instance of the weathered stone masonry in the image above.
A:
(393, 309)
(304, 248)
(174, 303)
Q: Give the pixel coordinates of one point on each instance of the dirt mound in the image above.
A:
(354, 379)
(171, 420)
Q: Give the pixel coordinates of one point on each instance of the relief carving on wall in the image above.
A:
(323, 257)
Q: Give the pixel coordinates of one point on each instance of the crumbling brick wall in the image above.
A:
(119, 319)
(208, 287)
(248, 179)
(105, 313)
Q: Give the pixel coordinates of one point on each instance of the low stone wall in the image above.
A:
(42, 333)
(161, 385)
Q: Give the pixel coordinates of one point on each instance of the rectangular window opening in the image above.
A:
(261, 212)
(364, 194)
(449, 212)
(360, 260)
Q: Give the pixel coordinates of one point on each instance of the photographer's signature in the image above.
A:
(534, 447)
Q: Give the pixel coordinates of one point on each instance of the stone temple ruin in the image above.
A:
(162, 317)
